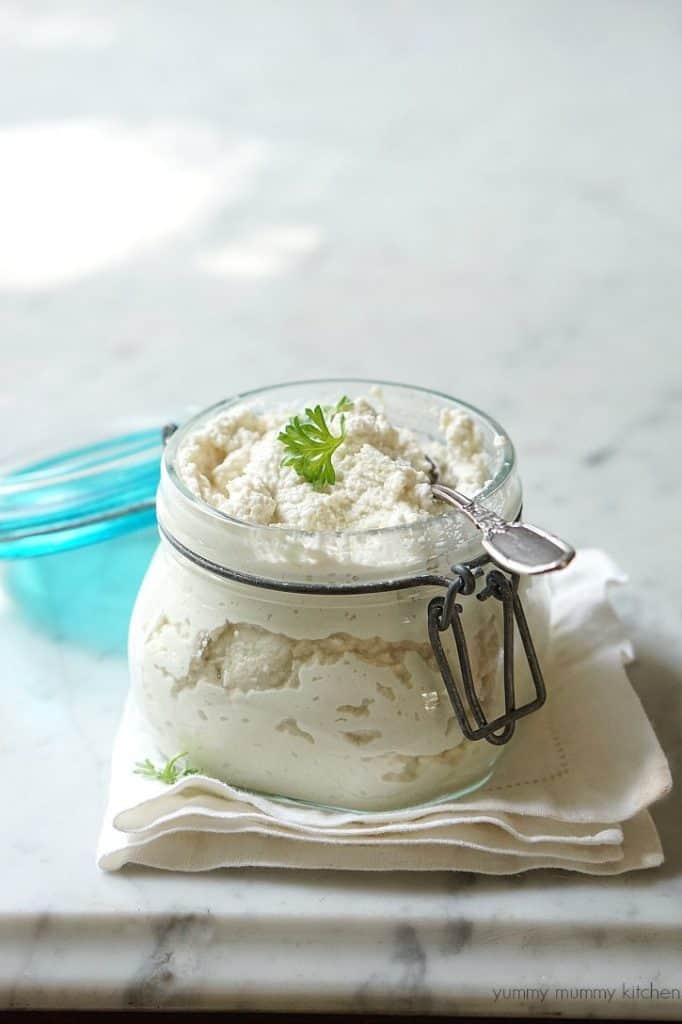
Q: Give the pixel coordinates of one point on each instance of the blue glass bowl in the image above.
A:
(78, 530)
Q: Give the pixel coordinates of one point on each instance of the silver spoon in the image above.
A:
(517, 547)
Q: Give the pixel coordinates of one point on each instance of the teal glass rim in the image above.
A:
(80, 496)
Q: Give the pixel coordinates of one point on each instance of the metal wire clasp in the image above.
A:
(445, 612)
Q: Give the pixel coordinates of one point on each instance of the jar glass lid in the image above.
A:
(80, 496)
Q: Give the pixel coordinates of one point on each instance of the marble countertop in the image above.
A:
(482, 198)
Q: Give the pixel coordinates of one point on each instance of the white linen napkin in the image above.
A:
(572, 792)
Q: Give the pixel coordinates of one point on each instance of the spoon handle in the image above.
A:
(516, 547)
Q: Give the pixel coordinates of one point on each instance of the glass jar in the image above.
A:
(298, 664)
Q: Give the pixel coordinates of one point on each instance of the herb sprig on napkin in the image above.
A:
(169, 773)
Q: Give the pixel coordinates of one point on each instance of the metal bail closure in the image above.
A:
(444, 613)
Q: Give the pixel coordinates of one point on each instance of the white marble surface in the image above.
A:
(198, 199)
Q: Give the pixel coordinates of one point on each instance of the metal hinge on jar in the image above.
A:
(445, 613)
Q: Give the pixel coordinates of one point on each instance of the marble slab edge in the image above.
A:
(237, 961)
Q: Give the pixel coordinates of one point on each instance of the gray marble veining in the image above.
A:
(482, 198)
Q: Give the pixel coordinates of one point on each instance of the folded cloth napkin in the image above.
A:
(572, 792)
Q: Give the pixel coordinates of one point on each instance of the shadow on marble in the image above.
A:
(658, 684)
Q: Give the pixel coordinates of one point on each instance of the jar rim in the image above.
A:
(501, 476)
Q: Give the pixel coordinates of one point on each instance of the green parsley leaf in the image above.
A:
(170, 772)
(310, 445)
(343, 405)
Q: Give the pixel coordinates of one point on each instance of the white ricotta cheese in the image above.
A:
(382, 475)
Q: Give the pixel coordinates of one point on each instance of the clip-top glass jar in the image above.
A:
(300, 664)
